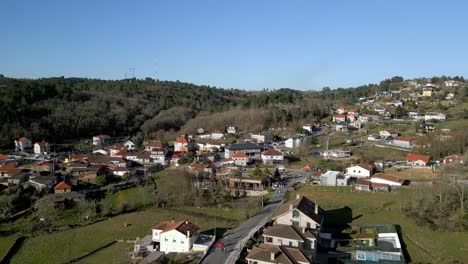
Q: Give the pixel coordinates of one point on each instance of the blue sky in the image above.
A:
(243, 44)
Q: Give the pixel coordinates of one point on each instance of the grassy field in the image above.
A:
(414, 174)
(62, 246)
(376, 153)
(115, 254)
(384, 208)
(5, 243)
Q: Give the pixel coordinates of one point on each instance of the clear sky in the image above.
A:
(247, 44)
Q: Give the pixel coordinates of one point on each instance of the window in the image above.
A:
(173, 240)
(290, 243)
(308, 225)
(182, 242)
(354, 171)
(295, 223)
(295, 213)
(165, 239)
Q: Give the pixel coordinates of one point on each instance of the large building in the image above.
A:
(175, 236)
(250, 149)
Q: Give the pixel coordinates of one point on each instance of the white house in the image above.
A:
(175, 236)
(101, 140)
(329, 178)
(302, 213)
(417, 160)
(362, 170)
(231, 130)
(308, 127)
(386, 179)
(262, 138)
(363, 118)
(292, 142)
(129, 145)
(388, 133)
(23, 143)
(181, 144)
(339, 118)
(272, 156)
(41, 147)
(413, 114)
(404, 142)
(240, 159)
(435, 116)
(341, 110)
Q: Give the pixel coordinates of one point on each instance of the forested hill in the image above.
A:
(61, 108)
(55, 109)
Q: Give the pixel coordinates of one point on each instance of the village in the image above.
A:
(347, 149)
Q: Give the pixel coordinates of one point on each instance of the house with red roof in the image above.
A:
(272, 156)
(240, 159)
(176, 157)
(42, 147)
(339, 118)
(341, 110)
(4, 159)
(23, 143)
(361, 170)
(175, 236)
(417, 160)
(9, 170)
(63, 187)
(182, 144)
(449, 160)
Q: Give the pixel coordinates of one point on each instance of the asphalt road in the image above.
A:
(236, 240)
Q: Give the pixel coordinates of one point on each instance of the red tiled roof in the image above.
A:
(43, 143)
(23, 139)
(182, 140)
(240, 154)
(63, 185)
(342, 107)
(227, 160)
(177, 155)
(352, 110)
(366, 166)
(154, 144)
(406, 139)
(339, 116)
(2, 157)
(10, 169)
(116, 147)
(182, 227)
(272, 152)
(415, 157)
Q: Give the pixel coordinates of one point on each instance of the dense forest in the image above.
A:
(61, 108)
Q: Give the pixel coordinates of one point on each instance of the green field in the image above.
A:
(62, 246)
(5, 243)
(384, 208)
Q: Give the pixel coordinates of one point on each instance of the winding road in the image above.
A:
(235, 241)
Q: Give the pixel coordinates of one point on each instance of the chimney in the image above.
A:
(172, 220)
(188, 233)
(272, 255)
(298, 196)
(316, 208)
(290, 206)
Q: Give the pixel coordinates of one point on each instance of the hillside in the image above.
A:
(55, 109)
